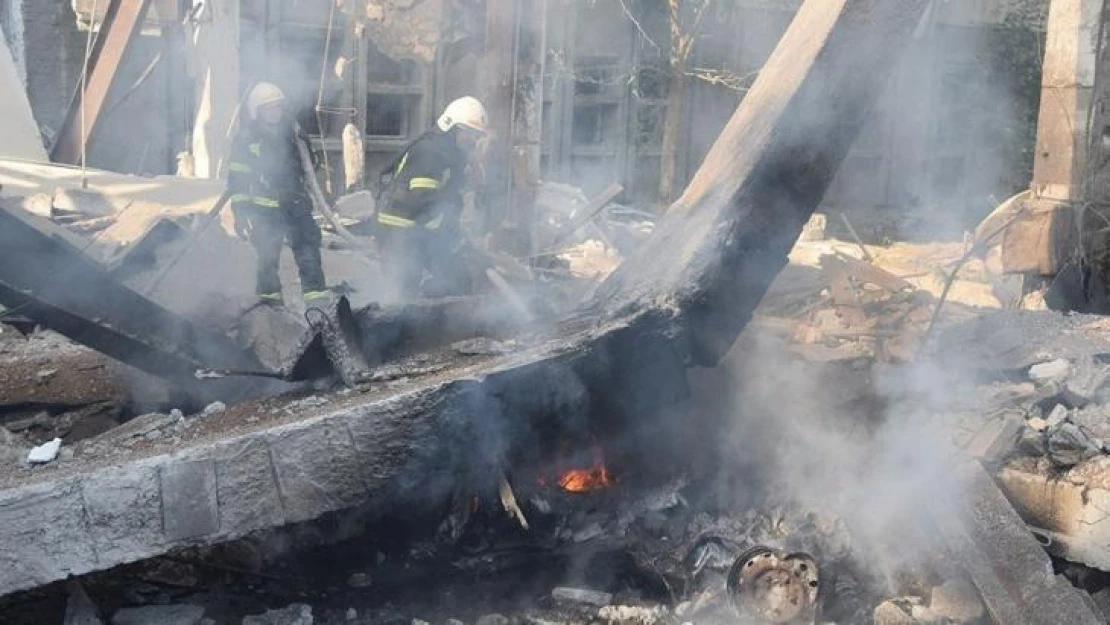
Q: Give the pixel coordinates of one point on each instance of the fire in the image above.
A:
(587, 480)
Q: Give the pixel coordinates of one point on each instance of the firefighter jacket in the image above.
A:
(426, 184)
(265, 168)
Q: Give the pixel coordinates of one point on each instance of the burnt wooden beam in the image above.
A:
(726, 238)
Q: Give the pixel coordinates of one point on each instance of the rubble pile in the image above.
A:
(837, 307)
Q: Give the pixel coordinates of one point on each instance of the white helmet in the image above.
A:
(467, 112)
(261, 95)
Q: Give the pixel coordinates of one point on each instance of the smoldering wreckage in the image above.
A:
(716, 414)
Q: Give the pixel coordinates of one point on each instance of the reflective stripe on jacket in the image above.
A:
(426, 184)
(264, 167)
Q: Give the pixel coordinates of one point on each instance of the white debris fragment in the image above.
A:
(46, 452)
(352, 614)
(215, 407)
(45, 374)
(632, 615)
(1055, 371)
(581, 595)
(176, 414)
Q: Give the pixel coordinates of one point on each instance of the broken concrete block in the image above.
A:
(1086, 380)
(295, 614)
(215, 407)
(1037, 424)
(1053, 372)
(160, 615)
(45, 452)
(1068, 445)
(957, 601)
(581, 595)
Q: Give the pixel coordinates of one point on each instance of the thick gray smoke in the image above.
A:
(857, 442)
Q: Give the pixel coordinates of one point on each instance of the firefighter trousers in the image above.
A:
(407, 253)
(270, 229)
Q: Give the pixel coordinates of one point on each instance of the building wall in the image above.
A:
(954, 129)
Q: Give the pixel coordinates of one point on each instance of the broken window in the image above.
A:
(595, 124)
(394, 96)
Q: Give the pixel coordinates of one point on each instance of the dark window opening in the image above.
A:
(594, 124)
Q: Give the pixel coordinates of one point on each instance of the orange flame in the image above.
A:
(587, 480)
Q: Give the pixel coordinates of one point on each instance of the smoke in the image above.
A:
(861, 443)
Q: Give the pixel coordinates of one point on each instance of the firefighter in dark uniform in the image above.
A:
(421, 205)
(269, 199)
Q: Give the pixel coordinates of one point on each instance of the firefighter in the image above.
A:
(269, 199)
(421, 204)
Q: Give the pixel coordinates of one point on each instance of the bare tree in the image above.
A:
(685, 20)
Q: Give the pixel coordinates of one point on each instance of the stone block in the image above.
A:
(190, 508)
(124, 508)
(46, 535)
(246, 486)
(317, 469)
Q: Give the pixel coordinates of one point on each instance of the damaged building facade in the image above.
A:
(590, 109)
